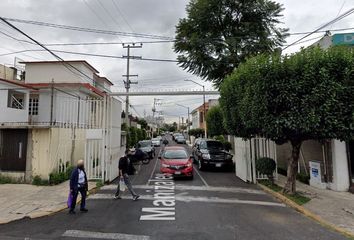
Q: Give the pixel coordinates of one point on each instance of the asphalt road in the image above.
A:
(214, 205)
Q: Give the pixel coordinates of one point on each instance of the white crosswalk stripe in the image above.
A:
(100, 235)
(197, 188)
(182, 198)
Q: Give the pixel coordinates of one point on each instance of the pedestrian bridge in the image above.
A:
(164, 92)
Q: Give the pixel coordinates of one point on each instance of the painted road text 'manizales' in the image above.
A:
(164, 200)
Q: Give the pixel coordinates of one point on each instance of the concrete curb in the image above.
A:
(56, 210)
(306, 212)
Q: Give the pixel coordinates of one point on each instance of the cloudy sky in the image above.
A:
(156, 17)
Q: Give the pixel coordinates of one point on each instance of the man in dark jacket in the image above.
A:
(124, 163)
(78, 183)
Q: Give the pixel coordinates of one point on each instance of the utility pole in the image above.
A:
(154, 111)
(127, 82)
(204, 114)
(204, 108)
(188, 126)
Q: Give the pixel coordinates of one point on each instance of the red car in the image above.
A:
(176, 161)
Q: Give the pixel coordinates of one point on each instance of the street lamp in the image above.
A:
(187, 117)
(204, 111)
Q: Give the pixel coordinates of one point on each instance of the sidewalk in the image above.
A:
(23, 200)
(336, 208)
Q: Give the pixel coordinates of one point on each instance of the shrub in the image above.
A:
(196, 132)
(59, 177)
(304, 178)
(68, 171)
(227, 145)
(99, 184)
(266, 166)
(56, 178)
(220, 138)
(38, 181)
(4, 180)
(214, 121)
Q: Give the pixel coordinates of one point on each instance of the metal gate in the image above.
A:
(93, 159)
(13, 149)
(103, 140)
(246, 153)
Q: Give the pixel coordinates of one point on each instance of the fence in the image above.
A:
(246, 153)
(98, 123)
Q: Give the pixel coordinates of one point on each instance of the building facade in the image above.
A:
(60, 113)
(198, 120)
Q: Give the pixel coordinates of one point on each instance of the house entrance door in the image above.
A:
(13, 149)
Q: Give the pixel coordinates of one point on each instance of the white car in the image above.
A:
(156, 142)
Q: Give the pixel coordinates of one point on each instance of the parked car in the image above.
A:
(176, 161)
(147, 147)
(211, 153)
(180, 139)
(156, 142)
(176, 135)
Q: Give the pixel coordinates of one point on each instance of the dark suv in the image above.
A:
(147, 147)
(208, 152)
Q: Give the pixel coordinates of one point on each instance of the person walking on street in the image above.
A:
(124, 163)
(78, 183)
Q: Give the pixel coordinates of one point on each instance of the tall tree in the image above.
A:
(217, 35)
(215, 121)
(308, 95)
(143, 123)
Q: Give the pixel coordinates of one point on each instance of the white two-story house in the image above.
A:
(60, 113)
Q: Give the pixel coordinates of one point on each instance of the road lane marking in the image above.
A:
(196, 188)
(101, 235)
(103, 196)
(153, 170)
(203, 180)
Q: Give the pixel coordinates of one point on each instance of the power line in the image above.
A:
(91, 30)
(95, 13)
(66, 64)
(347, 13)
(92, 55)
(142, 35)
(122, 15)
(109, 14)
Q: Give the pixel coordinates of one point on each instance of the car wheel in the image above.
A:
(201, 166)
(191, 177)
(146, 161)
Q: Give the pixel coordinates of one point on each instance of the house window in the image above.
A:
(33, 106)
(16, 99)
(201, 117)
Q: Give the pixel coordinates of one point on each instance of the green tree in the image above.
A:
(144, 134)
(133, 138)
(139, 134)
(215, 121)
(196, 132)
(174, 127)
(308, 95)
(143, 123)
(217, 35)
